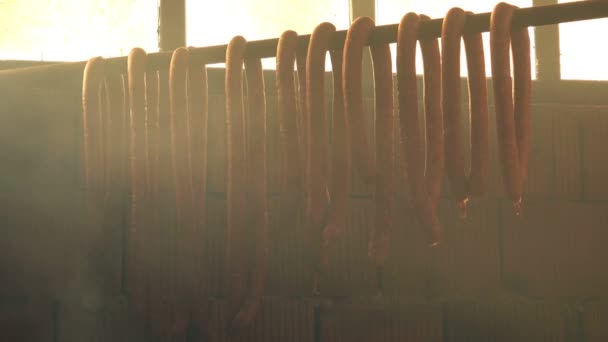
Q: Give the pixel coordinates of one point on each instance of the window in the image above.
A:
(391, 12)
(71, 30)
(583, 52)
(216, 24)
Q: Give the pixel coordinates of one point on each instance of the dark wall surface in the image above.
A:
(496, 276)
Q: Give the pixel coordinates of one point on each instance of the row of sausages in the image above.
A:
(316, 168)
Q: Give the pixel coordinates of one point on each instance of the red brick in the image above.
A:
(541, 175)
(278, 320)
(467, 263)
(567, 149)
(351, 272)
(494, 182)
(556, 249)
(409, 268)
(595, 319)
(505, 319)
(215, 247)
(27, 320)
(288, 272)
(414, 322)
(595, 164)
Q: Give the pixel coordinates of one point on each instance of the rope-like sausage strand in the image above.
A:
(478, 113)
(451, 34)
(317, 160)
(182, 178)
(410, 136)
(385, 153)
(316, 142)
(433, 113)
(341, 162)
(356, 38)
(257, 192)
(522, 96)
(292, 180)
(137, 233)
(462, 186)
(235, 280)
(91, 120)
(115, 186)
(302, 110)
(513, 129)
(198, 104)
(155, 209)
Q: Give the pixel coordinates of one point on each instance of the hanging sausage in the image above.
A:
(382, 172)
(93, 241)
(512, 100)
(257, 195)
(290, 140)
(302, 110)
(356, 38)
(433, 115)
(464, 187)
(340, 163)
(385, 153)
(316, 144)
(235, 276)
(115, 184)
(136, 268)
(198, 108)
(156, 315)
(407, 36)
(478, 113)
(184, 190)
(92, 137)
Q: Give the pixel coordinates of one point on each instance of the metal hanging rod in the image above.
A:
(382, 34)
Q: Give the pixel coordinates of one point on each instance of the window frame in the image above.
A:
(548, 86)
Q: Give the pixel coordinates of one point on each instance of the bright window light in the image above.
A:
(583, 51)
(72, 30)
(215, 24)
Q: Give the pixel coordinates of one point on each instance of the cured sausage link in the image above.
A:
(341, 162)
(137, 233)
(257, 192)
(385, 153)
(236, 277)
(115, 182)
(155, 209)
(478, 113)
(433, 112)
(302, 110)
(356, 38)
(198, 106)
(93, 239)
(522, 94)
(292, 181)
(182, 178)
(451, 34)
(500, 38)
(91, 120)
(410, 136)
(198, 115)
(316, 142)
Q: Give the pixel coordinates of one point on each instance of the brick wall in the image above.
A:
(496, 277)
